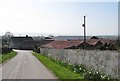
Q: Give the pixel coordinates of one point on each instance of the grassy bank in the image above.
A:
(61, 72)
(4, 57)
(72, 72)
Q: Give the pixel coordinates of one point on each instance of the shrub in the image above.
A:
(108, 47)
(90, 75)
(36, 49)
(6, 50)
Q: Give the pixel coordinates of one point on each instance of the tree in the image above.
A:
(6, 38)
(8, 34)
(51, 36)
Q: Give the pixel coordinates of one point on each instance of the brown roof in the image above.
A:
(106, 41)
(63, 44)
(93, 41)
(67, 44)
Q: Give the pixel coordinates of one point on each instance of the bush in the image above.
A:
(92, 76)
(108, 47)
(36, 49)
(6, 50)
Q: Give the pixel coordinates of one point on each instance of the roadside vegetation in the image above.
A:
(6, 56)
(63, 73)
(72, 72)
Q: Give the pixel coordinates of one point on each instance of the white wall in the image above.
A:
(105, 61)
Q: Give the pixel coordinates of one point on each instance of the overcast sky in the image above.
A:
(58, 18)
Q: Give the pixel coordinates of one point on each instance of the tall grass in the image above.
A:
(64, 74)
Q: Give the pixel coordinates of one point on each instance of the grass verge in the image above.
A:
(4, 57)
(64, 74)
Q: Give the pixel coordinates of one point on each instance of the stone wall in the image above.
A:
(104, 61)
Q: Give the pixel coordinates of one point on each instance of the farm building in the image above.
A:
(94, 37)
(27, 42)
(62, 44)
(94, 43)
(76, 44)
(15, 42)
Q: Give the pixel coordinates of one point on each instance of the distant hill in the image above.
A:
(81, 37)
(70, 37)
(108, 37)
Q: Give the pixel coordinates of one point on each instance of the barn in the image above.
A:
(27, 43)
(15, 42)
(74, 44)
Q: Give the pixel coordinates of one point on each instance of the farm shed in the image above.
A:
(15, 42)
(72, 44)
(27, 42)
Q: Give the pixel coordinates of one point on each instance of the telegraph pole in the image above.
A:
(84, 25)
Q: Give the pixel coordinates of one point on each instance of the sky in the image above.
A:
(35, 17)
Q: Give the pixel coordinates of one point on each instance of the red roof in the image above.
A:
(66, 44)
(106, 41)
(93, 41)
(63, 44)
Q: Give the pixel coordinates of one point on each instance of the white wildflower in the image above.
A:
(90, 72)
(79, 68)
(97, 72)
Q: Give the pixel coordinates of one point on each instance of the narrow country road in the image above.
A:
(25, 66)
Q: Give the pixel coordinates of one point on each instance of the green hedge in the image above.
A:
(6, 50)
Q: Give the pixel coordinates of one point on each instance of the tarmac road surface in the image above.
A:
(25, 66)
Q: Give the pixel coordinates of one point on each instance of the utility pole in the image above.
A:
(84, 25)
